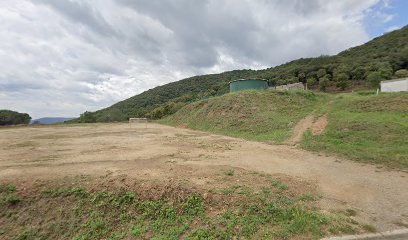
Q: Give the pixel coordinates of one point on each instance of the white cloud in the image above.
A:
(392, 28)
(60, 58)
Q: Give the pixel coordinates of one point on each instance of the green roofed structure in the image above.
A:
(248, 84)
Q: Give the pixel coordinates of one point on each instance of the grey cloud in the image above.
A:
(82, 13)
(18, 86)
(199, 27)
(65, 57)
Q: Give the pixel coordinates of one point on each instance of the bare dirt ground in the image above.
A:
(320, 125)
(157, 152)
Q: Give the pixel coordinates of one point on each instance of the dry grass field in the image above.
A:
(48, 173)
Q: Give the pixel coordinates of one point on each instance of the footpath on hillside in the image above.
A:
(316, 125)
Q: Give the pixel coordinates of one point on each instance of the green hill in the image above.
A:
(381, 58)
(367, 128)
(253, 115)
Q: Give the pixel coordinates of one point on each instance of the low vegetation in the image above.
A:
(7, 195)
(67, 211)
(253, 115)
(367, 128)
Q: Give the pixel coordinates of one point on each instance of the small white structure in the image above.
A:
(396, 85)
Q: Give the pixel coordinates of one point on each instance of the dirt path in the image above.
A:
(160, 152)
(320, 125)
(300, 128)
(310, 122)
(317, 126)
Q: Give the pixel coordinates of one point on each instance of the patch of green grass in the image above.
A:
(64, 192)
(366, 128)
(345, 229)
(279, 185)
(8, 195)
(253, 115)
(10, 199)
(307, 198)
(26, 234)
(7, 188)
(78, 214)
(242, 190)
(193, 206)
(246, 191)
(138, 230)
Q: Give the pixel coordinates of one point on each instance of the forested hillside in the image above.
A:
(382, 58)
(8, 117)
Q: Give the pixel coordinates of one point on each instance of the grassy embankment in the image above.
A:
(366, 128)
(271, 209)
(363, 127)
(252, 115)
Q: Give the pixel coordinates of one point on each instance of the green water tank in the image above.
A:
(248, 84)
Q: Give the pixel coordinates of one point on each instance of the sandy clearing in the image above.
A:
(160, 152)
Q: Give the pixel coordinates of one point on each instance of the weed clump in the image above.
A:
(7, 195)
(230, 172)
(64, 192)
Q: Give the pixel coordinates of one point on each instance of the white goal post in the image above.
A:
(138, 122)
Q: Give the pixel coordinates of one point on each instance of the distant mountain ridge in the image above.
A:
(50, 120)
(379, 59)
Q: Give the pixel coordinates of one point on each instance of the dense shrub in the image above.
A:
(374, 79)
(401, 73)
(323, 82)
(8, 117)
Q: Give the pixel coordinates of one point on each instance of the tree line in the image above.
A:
(8, 117)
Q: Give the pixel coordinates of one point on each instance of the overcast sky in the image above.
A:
(60, 58)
